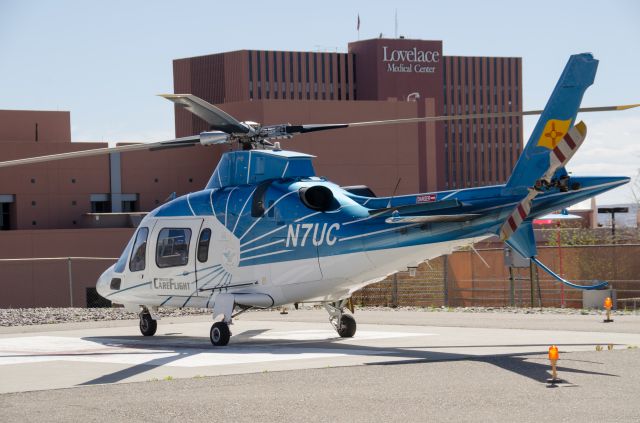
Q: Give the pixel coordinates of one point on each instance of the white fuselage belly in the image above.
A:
(291, 281)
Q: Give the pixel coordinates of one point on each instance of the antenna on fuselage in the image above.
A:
(171, 197)
(394, 192)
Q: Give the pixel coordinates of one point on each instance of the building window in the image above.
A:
(203, 245)
(100, 206)
(259, 75)
(299, 76)
(291, 94)
(315, 76)
(138, 257)
(275, 75)
(5, 216)
(353, 83)
(346, 76)
(250, 75)
(173, 247)
(324, 91)
(284, 79)
(129, 206)
(266, 73)
(306, 66)
(339, 78)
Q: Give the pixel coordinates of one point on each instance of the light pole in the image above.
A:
(559, 217)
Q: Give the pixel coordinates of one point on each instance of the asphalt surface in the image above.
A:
(402, 366)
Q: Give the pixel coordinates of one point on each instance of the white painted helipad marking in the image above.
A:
(319, 335)
(54, 348)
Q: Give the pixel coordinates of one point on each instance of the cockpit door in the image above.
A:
(172, 257)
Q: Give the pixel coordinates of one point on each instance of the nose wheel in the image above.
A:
(344, 324)
(148, 326)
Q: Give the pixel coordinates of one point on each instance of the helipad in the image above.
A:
(262, 342)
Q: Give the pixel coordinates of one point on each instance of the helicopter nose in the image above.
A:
(104, 282)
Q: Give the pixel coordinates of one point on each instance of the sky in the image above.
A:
(105, 61)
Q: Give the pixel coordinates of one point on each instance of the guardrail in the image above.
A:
(70, 260)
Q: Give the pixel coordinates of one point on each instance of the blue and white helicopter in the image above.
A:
(266, 231)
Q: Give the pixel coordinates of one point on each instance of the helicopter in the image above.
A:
(266, 231)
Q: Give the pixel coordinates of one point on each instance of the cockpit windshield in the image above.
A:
(122, 261)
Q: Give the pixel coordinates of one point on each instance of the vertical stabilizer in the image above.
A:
(554, 123)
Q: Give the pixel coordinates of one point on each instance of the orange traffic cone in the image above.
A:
(554, 355)
(607, 305)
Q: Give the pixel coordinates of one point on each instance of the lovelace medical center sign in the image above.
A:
(388, 68)
(411, 60)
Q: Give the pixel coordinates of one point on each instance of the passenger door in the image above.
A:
(172, 257)
(210, 272)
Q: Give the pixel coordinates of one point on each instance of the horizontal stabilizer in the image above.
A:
(440, 218)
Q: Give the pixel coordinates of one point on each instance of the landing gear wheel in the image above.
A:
(148, 326)
(220, 334)
(347, 327)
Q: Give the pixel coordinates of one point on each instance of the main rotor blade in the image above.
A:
(304, 129)
(217, 118)
(482, 116)
(178, 142)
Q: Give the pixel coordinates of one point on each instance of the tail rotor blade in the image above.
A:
(565, 149)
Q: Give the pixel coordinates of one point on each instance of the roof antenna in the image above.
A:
(394, 192)
(396, 25)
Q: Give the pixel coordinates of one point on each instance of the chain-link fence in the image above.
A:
(472, 283)
(481, 278)
(425, 289)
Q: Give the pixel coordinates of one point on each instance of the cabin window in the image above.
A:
(138, 261)
(203, 245)
(173, 247)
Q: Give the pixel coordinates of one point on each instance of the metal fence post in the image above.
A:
(537, 278)
(70, 281)
(445, 284)
(532, 281)
(394, 291)
(512, 288)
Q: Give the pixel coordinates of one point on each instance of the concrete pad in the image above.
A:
(78, 357)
